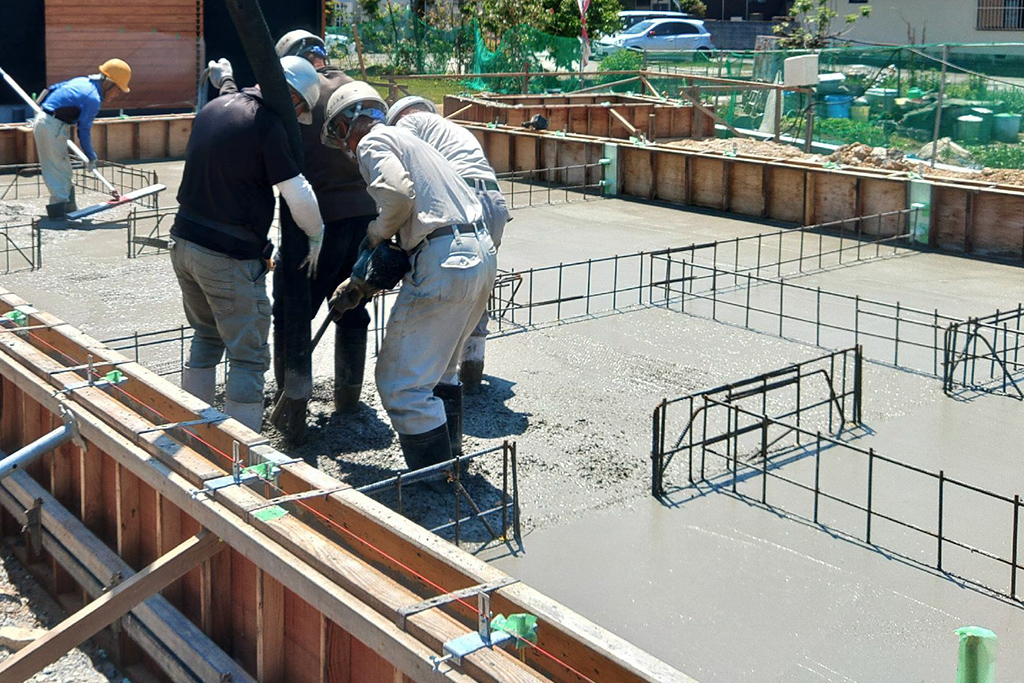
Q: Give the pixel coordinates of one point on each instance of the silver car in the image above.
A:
(658, 35)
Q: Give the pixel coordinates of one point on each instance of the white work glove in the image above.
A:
(90, 165)
(315, 244)
(220, 70)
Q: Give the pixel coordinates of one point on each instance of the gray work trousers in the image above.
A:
(51, 136)
(226, 304)
(495, 218)
(436, 309)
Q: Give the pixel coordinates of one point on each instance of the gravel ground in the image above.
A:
(23, 602)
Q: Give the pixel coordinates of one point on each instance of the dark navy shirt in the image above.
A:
(76, 102)
(237, 152)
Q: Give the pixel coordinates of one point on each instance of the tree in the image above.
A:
(694, 7)
(562, 18)
(808, 25)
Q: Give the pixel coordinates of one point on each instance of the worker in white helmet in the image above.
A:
(237, 155)
(66, 104)
(419, 116)
(346, 209)
(436, 218)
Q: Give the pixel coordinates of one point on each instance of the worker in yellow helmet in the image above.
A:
(73, 102)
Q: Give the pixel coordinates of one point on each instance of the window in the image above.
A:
(1000, 15)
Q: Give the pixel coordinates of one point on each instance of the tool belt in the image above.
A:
(481, 184)
(447, 230)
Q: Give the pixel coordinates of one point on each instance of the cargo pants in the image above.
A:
(226, 304)
(438, 305)
(51, 136)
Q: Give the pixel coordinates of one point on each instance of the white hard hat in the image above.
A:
(348, 102)
(395, 112)
(299, 42)
(304, 80)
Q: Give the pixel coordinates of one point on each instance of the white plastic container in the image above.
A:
(800, 71)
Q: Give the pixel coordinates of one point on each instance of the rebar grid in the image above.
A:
(852, 494)
(21, 247)
(825, 391)
(552, 185)
(25, 181)
(149, 231)
(997, 366)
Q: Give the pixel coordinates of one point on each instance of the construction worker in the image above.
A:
(66, 104)
(237, 154)
(437, 220)
(419, 116)
(346, 209)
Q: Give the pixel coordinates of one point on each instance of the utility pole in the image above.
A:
(938, 109)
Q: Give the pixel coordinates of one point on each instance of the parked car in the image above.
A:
(658, 35)
(631, 17)
(340, 43)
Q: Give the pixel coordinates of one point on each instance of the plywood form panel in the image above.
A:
(301, 640)
(575, 154)
(525, 153)
(153, 138)
(635, 167)
(243, 611)
(746, 195)
(708, 189)
(670, 183)
(785, 194)
(998, 224)
(833, 196)
(371, 667)
(949, 216)
(882, 196)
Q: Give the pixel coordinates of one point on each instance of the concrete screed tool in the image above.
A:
(118, 198)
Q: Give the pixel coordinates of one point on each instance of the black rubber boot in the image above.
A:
(57, 210)
(349, 362)
(423, 450)
(71, 205)
(451, 396)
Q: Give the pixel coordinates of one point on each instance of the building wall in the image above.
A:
(21, 33)
(737, 35)
(900, 22)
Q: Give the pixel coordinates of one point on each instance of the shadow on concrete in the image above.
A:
(485, 414)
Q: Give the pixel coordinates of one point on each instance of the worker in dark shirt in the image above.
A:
(237, 155)
(346, 208)
(74, 102)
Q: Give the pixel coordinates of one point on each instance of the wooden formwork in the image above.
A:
(602, 115)
(966, 216)
(312, 592)
(129, 139)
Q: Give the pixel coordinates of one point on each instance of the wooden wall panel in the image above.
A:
(785, 194)
(949, 218)
(635, 167)
(746, 195)
(671, 181)
(882, 196)
(301, 640)
(998, 224)
(708, 190)
(243, 610)
(833, 197)
(158, 38)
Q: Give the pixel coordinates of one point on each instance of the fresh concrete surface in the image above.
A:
(720, 588)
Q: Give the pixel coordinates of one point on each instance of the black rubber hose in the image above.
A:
(292, 307)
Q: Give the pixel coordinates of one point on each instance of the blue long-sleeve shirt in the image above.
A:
(76, 102)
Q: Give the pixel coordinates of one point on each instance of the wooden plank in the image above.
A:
(671, 178)
(243, 610)
(949, 210)
(339, 654)
(96, 615)
(168, 535)
(129, 530)
(746, 192)
(302, 640)
(882, 196)
(997, 226)
(269, 629)
(708, 189)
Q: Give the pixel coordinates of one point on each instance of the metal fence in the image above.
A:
(826, 391)
(994, 367)
(552, 185)
(21, 247)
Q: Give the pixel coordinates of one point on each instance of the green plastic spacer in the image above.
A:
(264, 470)
(114, 376)
(16, 317)
(270, 514)
(977, 660)
(522, 626)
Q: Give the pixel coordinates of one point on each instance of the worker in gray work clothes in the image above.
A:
(419, 116)
(73, 102)
(237, 154)
(437, 221)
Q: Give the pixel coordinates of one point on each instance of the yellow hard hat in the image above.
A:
(118, 71)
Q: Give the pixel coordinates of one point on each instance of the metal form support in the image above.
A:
(459, 648)
(447, 598)
(44, 444)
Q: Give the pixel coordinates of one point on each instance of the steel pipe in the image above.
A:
(44, 444)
